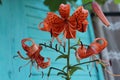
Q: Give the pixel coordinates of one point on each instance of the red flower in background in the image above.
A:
(66, 23)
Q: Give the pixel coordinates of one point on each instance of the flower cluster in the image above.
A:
(68, 25)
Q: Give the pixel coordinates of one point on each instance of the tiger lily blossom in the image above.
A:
(65, 23)
(33, 53)
(93, 49)
(97, 9)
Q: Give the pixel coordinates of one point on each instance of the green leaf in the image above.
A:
(54, 4)
(61, 56)
(49, 72)
(101, 2)
(0, 2)
(87, 4)
(72, 0)
(73, 69)
(61, 73)
(116, 1)
(74, 48)
(64, 67)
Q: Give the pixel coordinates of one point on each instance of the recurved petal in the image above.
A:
(98, 46)
(64, 10)
(45, 64)
(29, 49)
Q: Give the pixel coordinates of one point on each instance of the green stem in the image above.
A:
(68, 60)
(52, 48)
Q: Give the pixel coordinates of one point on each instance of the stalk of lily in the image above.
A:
(97, 9)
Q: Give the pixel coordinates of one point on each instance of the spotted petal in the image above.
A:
(53, 24)
(81, 14)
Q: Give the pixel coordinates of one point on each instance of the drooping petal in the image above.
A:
(40, 59)
(64, 10)
(100, 14)
(44, 65)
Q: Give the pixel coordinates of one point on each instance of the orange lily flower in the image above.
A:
(97, 46)
(66, 23)
(33, 53)
(81, 53)
(94, 48)
(100, 14)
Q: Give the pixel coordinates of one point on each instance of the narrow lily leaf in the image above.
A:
(49, 72)
(64, 67)
(73, 69)
(56, 47)
(74, 48)
(61, 56)
(0, 2)
(60, 73)
(96, 67)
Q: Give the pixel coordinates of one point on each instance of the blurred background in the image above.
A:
(20, 18)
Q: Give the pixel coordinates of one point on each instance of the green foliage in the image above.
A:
(73, 69)
(61, 73)
(54, 4)
(117, 1)
(0, 2)
(61, 56)
(87, 3)
(101, 2)
(74, 48)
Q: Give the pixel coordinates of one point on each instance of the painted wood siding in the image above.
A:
(19, 19)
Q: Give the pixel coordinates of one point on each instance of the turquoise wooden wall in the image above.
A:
(19, 19)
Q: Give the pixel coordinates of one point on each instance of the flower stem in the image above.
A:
(68, 61)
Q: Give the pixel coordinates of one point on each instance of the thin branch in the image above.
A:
(55, 69)
(86, 62)
(52, 48)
